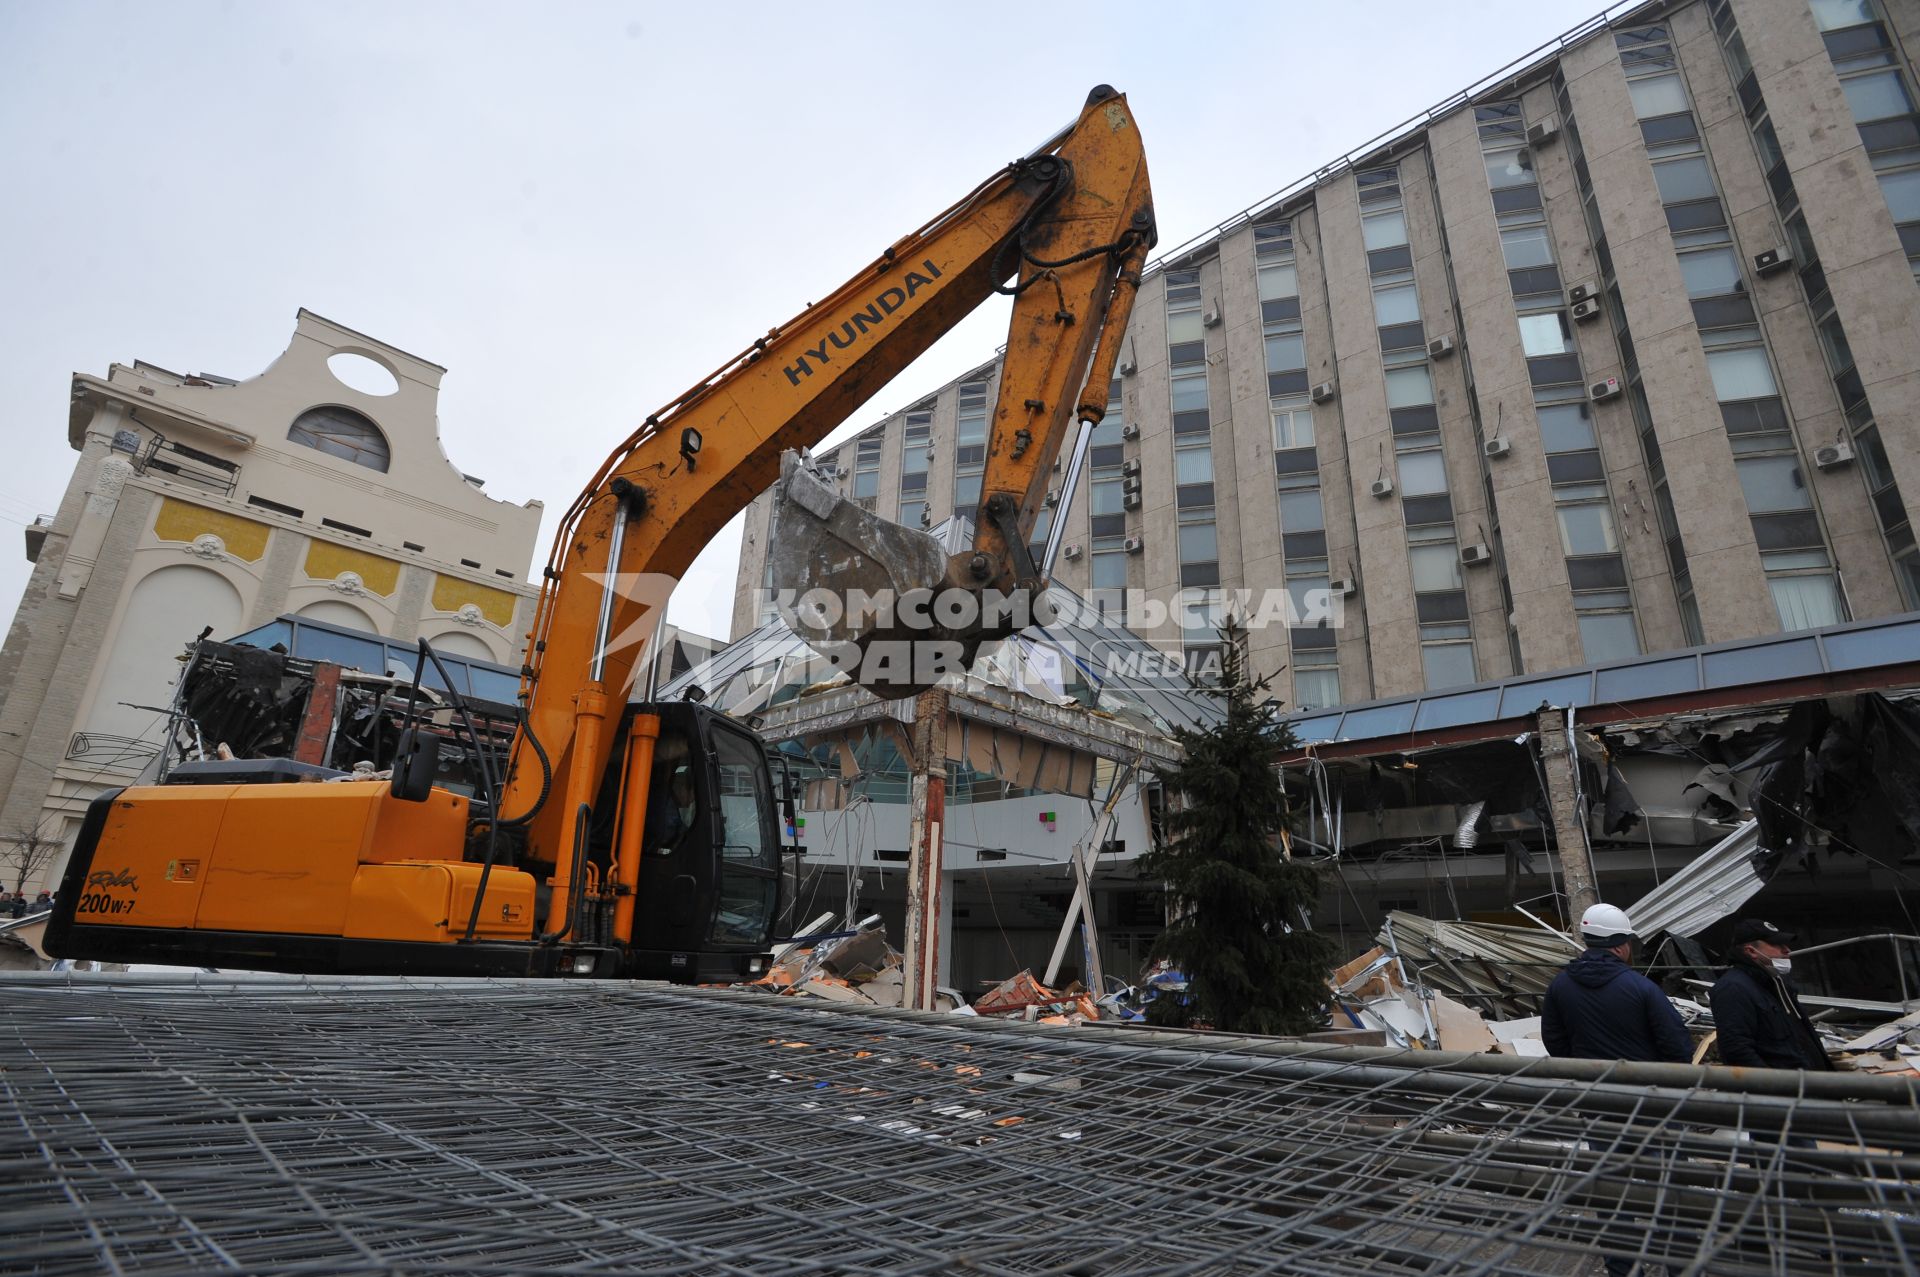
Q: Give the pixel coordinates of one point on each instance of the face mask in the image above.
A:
(1782, 965)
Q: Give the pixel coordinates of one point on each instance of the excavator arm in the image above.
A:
(1073, 221)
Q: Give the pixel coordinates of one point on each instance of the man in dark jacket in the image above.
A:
(1600, 1008)
(1756, 1009)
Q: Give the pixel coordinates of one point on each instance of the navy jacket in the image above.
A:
(1759, 1020)
(1599, 1008)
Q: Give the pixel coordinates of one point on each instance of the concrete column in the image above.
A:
(411, 599)
(286, 558)
(926, 879)
(1569, 835)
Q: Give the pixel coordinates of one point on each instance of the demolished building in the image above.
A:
(956, 816)
(1777, 775)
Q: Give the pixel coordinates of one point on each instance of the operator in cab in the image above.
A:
(672, 803)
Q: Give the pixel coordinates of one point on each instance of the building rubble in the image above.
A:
(859, 967)
(1414, 987)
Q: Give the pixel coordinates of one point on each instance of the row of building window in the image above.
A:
(1786, 521)
(1856, 40)
(1786, 524)
(1583, 505)
(1420, 467)
(1303, 520)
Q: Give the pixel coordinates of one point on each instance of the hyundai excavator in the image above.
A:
(626, 838)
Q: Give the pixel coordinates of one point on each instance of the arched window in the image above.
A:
(341, 432)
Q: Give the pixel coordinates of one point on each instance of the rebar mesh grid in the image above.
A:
(285, 1125)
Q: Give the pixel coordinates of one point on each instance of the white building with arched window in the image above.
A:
(318, 487)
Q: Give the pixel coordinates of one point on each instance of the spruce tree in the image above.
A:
(1238, 906)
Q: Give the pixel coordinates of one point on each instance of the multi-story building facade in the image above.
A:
(205, 505)
(1616, 352)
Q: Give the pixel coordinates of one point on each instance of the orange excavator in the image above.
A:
(627, 838)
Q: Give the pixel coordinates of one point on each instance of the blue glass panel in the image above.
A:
(1760, 663)
(1464, 707)
(1314, 731)
(1868, 649)
(492, 685)
(1378, 720)
(266, 636)
(1652, 678)
(366, 654)
(456, 670)
(1519, 700)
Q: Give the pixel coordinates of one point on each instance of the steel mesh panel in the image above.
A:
(284, 1125)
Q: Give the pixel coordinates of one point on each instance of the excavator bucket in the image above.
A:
(856, 586)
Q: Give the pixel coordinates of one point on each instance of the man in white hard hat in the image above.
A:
(1600, 1008)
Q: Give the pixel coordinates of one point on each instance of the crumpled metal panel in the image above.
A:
(1713, 886)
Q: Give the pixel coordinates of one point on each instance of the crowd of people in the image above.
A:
(18, 904)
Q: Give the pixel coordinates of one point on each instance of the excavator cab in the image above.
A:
(709, 885)
(274, 865)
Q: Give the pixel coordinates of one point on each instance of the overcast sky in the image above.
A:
(580, 209)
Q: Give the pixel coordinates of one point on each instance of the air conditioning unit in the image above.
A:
(1772, 260)
(1133, 545)
(1053, 496)
(1130, 500)
(1130, 484)
(1071, 549)
(1833, 456)
(1604, 389)
(1496, 447)
(1210, 319)
(1130, 468)
(1543, 132)
(1128, 367)
(1582, 293)
(1475, 555)
(1588, 309)
(1322, 393)
(1129, 431)
(1341, 585)
(1383, 487)
(1440, 347)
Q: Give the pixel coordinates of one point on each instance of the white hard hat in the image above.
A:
(1603, 922)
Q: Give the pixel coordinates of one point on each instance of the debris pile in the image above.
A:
(856, 966)
(1025, 998)
(1501, 970)
(1373, 992)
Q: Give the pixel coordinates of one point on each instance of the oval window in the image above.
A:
(368, 376)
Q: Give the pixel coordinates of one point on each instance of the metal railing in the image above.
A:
(178, 461)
